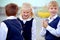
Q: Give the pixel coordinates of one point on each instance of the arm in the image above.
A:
(55, 32)
(3, 31)
(43, 32)
(34, 30)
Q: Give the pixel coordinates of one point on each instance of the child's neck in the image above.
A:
(52, 16)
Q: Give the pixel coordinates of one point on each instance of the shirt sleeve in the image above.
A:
(3, 31)
(34, 30)
(55, 32)
(43, 32)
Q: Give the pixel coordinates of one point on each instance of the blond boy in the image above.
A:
(51, 26)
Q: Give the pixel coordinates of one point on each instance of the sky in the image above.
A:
(34, 3)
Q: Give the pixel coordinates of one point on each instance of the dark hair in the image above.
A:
(11, 9)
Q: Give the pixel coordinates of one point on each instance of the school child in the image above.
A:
(10, 28)
(51, 26)
(28, 22)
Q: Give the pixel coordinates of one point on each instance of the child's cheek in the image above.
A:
(50, 10)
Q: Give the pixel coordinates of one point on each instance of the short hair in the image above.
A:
(53, 4)
(11, 9)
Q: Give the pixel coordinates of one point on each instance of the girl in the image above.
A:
(28, 22)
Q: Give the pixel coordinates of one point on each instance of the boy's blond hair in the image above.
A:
(27, 6)
(53, 4)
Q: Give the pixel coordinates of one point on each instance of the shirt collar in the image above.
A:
(53, 17)
(11, 17)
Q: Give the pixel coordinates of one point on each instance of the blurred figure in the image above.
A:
(10, 28)
(51, 26)
(28, 22)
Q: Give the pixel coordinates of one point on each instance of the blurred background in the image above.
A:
(37, 6)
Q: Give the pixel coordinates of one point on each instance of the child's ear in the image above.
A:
(31, 14)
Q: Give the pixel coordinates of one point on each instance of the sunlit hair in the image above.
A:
(53, 4)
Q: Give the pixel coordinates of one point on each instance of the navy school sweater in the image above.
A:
(14, 29)
(27, 27)
(53, 24)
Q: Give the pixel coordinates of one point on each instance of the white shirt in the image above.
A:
(33, 27)
(4, 29)
(55, 32)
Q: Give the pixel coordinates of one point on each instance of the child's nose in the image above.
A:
(26, 14)
(54, 8)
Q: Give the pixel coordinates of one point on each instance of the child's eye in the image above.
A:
(55, 8)
(27, 12)
(51, 8)
(23, 12)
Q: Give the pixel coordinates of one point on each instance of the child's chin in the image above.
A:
(53, 14)
(26, 17)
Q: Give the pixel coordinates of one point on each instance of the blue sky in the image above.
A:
(37, 3)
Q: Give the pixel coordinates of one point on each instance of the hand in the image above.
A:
(45, 23)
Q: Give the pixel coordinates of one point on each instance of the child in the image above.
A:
(28, 22)
(10, 28)
(51, 26)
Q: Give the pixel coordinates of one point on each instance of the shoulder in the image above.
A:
(59, 20)
(3, 25)
(34, 20)
(59, 17)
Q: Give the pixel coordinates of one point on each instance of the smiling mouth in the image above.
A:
(53, 12)
(26, 15)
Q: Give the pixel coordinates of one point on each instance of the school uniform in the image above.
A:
(10, 29)
(52, 32)
(29, 28)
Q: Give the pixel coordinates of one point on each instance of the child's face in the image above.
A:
(26, 13)
(53, 10)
